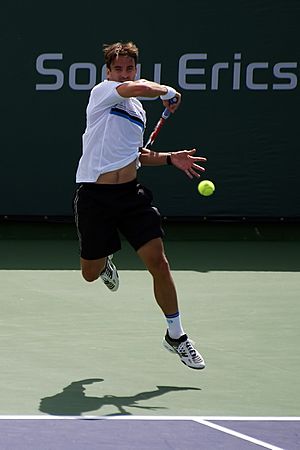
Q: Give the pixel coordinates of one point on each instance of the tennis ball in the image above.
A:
(206, 188)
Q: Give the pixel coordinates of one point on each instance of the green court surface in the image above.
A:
(68, 347)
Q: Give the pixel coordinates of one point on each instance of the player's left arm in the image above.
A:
(182, 159)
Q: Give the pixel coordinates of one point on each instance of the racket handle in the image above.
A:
(166, 113)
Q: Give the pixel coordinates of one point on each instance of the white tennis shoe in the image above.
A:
(184, 348)
(110, 276)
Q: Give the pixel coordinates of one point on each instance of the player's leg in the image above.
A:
(91, 269)
(153, 255)
(104, 268)
(98, 238)
(141, 225)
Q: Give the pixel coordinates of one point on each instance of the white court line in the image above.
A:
(236, 434)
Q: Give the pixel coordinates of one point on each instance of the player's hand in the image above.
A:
(185, 161)
(173, 104)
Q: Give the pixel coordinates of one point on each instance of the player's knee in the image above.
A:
(91, 270)
(159, 266)
(90, 275)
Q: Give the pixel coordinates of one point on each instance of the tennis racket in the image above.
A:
(164, 116)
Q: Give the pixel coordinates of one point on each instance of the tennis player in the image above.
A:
(109, 198)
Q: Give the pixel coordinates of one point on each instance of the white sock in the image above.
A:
(174, 325)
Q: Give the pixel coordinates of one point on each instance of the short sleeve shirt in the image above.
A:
(114, 132)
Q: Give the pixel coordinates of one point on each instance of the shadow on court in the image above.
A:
(72, 401)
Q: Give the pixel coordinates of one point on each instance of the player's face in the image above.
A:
(122, 69)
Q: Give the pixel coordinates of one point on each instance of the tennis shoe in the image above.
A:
(109, 275)
(185, 350)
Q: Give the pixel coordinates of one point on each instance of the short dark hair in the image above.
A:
(112, 51)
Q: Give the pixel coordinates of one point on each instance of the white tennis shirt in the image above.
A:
(113, 134)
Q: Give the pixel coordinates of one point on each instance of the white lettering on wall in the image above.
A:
(195, 73)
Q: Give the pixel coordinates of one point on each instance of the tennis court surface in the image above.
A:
(83, 368)
(147, 433)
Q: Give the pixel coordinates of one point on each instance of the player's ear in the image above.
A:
(107, 72)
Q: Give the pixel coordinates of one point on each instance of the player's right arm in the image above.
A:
(149, 89)
(141, 88)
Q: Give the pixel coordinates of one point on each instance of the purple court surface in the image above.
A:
(148, 433)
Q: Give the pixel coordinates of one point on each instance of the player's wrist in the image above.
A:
(171, 93)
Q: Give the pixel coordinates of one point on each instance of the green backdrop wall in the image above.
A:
(236, 64)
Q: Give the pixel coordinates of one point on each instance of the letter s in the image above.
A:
(292, 77)
(44, 71)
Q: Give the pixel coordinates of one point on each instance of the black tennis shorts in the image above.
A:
(103, 211)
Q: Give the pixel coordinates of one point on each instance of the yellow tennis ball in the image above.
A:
(206, 188)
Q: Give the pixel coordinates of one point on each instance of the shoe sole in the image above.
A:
(171, 349)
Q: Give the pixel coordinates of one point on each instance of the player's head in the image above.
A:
(121, 61)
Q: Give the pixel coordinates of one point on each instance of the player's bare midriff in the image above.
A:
(123, 175)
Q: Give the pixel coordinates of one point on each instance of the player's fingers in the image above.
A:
(194, 173)
(199, 167)
(174, 107)
(173, 103)
(200, 158)
(178, 99)
(188, 173)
